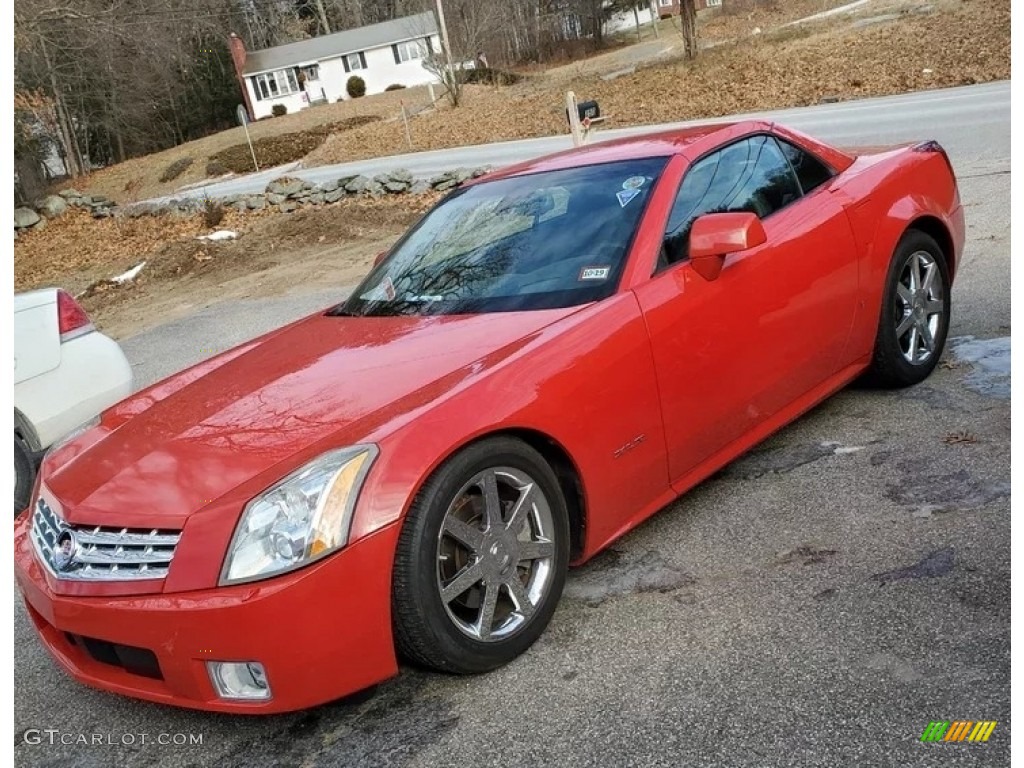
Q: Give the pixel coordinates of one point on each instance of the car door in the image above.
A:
(731, 352)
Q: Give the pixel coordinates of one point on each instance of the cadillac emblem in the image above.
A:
(65, 550)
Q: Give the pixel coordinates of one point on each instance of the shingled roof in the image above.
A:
(340, 43)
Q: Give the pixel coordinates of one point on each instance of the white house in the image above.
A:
(317, 70)
(620, 21)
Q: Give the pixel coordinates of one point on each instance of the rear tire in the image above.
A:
(481, 560)
(24, 476)
(914, 319)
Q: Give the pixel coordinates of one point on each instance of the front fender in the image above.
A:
(587, 382)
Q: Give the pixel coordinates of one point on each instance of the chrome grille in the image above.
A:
(100, 553)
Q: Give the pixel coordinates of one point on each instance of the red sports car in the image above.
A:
(552, 354)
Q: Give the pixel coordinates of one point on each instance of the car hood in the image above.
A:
(322, 382)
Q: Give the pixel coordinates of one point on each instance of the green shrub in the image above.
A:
(395, 87)
(175, 169)
(356, 86)
(278, 110)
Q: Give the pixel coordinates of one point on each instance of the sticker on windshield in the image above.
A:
(626, 195)
(633, 182)
(389, 288)
(594, 273)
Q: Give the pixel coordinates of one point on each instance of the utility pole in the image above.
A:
(444, 36)
(450, 80)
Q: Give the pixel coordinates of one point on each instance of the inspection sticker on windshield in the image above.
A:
(389, 288)
(633, 182)
(626, 195)
(594, 273)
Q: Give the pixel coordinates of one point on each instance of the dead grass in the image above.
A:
(721, 25)
(326, 247)
(960, 41)
(284, 147)
(968, 43)
(75, 250)
(139, 178)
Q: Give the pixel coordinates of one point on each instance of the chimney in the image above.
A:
(238, 57)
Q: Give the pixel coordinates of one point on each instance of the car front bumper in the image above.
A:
(321, 633)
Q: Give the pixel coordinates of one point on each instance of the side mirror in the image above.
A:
(379, 258)
(716, 235)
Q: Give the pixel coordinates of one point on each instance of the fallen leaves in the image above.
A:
(286, 147)
(958, 437)
(932, 45)
(75, 249)
(968, 44)
(85, 255)
(138, 178)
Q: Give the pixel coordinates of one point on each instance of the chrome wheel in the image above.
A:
(919, 307)
(495, 554)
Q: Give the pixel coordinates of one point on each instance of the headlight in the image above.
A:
(301, 519)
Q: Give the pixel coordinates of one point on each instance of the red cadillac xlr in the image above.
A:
(552, 354)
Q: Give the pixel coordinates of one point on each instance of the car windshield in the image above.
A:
(545, 240)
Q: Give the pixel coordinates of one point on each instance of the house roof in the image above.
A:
(340, 43)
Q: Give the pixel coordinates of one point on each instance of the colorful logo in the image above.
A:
(959, 730)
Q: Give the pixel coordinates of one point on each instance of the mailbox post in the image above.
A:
(582, 116)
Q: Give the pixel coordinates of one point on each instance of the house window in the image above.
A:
(311, 71)
(410, 50)
(270, 85)
(714, 3)
(354, 61)
(665, 3)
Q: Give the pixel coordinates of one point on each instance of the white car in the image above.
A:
(65, 373)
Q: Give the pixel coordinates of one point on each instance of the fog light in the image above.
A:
(239, 679)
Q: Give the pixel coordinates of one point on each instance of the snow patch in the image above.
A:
(220, 234)
(131, 274)
(844, 449)
(990, 363)
(838, 449)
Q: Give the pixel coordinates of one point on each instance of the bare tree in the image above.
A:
(687, 26)
(111, 79)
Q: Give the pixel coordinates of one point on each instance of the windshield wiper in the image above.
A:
(340, 311)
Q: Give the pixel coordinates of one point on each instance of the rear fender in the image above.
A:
(880, 226)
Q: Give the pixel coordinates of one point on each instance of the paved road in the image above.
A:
(969, 121)
(817, 603)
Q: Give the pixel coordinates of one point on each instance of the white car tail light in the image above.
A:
(72, 320)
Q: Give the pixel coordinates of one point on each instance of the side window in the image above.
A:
(751, 175)
(810, 171)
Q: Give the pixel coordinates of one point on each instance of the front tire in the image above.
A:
(914, 320)
(24, 477)
(481, 559)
